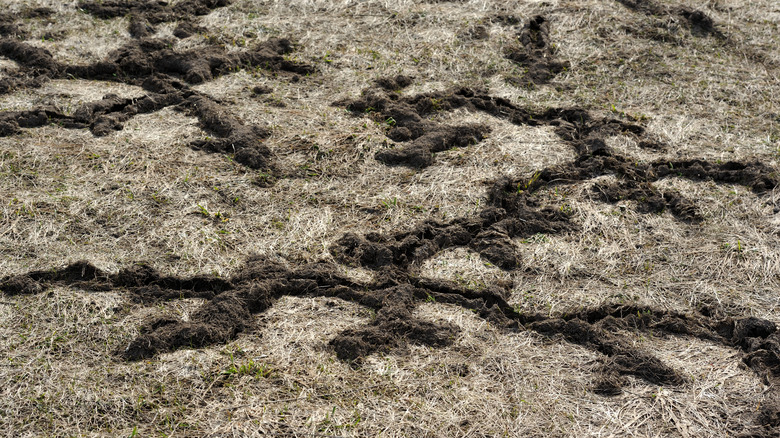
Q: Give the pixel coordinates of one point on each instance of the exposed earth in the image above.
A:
(365, 218)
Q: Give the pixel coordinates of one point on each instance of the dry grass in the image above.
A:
(138, 194)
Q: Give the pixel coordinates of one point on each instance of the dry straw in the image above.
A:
(141, 194)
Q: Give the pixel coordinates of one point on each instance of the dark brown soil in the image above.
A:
(489, 234)
(84, 275)
(151, 10)
(107, 115)
(648, 199)
(505, 19)
(673, 24)
(233, 136)
(636, 180)
(145, 14)
(419, 152)
(513, 209)
(696, 21)
(398, 290)
(408, 120)
(186, 29)
(393, 327)
(8, 26)
(139, 60)
(393, 297)
(166, 75)
(395, 83)
(535, 54)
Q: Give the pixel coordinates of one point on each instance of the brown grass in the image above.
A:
(136, 195)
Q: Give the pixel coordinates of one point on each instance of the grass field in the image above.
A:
(395, 218)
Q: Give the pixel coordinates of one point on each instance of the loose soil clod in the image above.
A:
(394, 84)
(153, 11)
(699, 23)
(8, 26)
(535, 54)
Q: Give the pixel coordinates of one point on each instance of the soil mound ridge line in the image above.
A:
(150, 64)
(408, 122)
(535, 54)
(144, 14)
(230, 304)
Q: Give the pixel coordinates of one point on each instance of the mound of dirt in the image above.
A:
(648, 199)
(636, 180)
(151, 10)
(419, 152)
(478, 32)
(395, 83)
(233, 136)
(145, 14)
(393, 328)
(147, 61)
(489, 234)
(394, 296)
(696, 21)
(535, 54)
(186, 29)
(151, 64)
(137, 61)
(408, 120)
(8, 26)
(108, 115)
